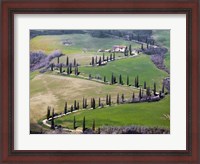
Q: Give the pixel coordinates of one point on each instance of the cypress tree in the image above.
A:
(140, 94)
(53, 113)
(113, 55)
(93, 125)
(148, 93)
(118, 98)
(120, 79)
(99, 102)
(107, 99)
(78, 105)
(133, 96)
(48, 112)
(125, 52)
(77, 70)
(147, 45)
(163, 88)
(122, 97)
(74, 62)
(138, 37)
(107, 59)
(154, 89)
(60, 68)
(92, 61)
(127, 80)
(160, 94)
(99, 131)
(52, 120)
(94, 104)
(104, 79)
(67, 61)
(112, 79)
(83, 103)
(70, 68)
(58, 60)
(100, 61)
(103, 57)
(83, 123)
(142, 47)
(74, 123)
(91, 103)
(71, 108)
(96, 59)
(110, 57)
(130, 50)
(137, 81)
(75, 105)
(52, 66)
(52, 123)
(65, 109)
(145, 85)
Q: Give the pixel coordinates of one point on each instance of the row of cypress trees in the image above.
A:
(67, 63)
(83, 124)
(101, 59)
(93, 105)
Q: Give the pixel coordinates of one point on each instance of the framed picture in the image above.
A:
(100, 81)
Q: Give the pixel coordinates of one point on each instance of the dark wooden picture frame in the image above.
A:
(11, 7)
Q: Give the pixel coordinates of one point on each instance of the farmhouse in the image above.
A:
(117, 48)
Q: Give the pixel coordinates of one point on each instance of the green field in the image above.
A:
(49, 43)
(53, 89)
(140, 65)
(83, 46)
(151, 114)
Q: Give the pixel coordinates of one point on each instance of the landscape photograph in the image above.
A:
(100, 81)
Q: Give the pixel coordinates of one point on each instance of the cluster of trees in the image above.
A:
(39, 59)
(102, 59)
(126, 34)
(147, 46)
(74, 120)
(83, 124)
(108, 100)
(128, 51)
(120, 81)
(51, 116)
(68, 65)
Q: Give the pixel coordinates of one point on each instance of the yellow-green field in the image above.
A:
(53, 89)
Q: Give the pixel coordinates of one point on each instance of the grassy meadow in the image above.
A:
(54, 89)
(83, 46)
(140, 65)
(151, 114)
